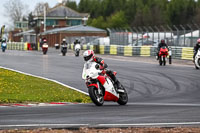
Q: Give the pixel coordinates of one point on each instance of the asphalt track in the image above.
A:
(158, 96)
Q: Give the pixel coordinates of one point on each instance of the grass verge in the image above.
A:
(20, 88)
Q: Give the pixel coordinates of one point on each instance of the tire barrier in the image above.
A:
(185, 53)
(16, 46)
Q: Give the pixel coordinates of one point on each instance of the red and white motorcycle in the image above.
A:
(163, 55)
(100, 86)
(45, 48)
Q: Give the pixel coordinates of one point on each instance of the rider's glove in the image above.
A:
(101, 67)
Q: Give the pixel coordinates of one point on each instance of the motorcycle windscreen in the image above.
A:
(89, 67)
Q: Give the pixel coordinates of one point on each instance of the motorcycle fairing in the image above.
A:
(163, 52)
(110, 92)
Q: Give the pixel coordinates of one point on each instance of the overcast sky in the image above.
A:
(31, 5)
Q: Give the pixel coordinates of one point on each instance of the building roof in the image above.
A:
(192, 34)
(29, 32)
(61, 10)
(77, 28)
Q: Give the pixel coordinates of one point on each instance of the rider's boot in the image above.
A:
(118, 86)
(157, 57)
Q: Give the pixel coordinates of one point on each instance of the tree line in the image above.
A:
(120, 13)
(133, 13)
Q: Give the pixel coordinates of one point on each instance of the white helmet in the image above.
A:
(64, 40)
(88, 55)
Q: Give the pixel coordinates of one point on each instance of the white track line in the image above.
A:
(42, 125)
(55, 81)
(151, 124)
(166, 104)
(103, 125)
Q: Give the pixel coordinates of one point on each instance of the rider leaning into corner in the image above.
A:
(196, 48)
(90, 57)
(161, 44)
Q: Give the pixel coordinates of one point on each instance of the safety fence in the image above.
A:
(177, 52)
(174, 35)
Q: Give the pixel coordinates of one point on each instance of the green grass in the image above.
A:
(20, 88)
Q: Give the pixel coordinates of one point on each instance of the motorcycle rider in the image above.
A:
(196, 48)
(161, 44)
(3, 40)
(76, 42)
(88, 55)
(64, 42)
(43, 40)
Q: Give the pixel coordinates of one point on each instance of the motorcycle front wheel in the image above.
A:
(164, 61)
(123, 97)
(97, 98)
(44, 52)
(198, 64)
(63, 53)
(160, 61)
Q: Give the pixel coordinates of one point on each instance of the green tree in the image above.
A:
(130, 10)
(99, 22)
(117, 20)
(72, 5)
(141, 12)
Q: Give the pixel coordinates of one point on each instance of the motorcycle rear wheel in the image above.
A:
(97, 99)
(123, 97)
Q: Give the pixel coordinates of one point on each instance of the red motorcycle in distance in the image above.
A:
(44, 48)
(163, 55)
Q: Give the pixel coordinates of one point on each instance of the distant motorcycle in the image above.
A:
(77, 49)
(64, 49)
(3, 46)
(163, 55)
(197, 60)
(45, 48)
(57, 46)
(100, 86)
